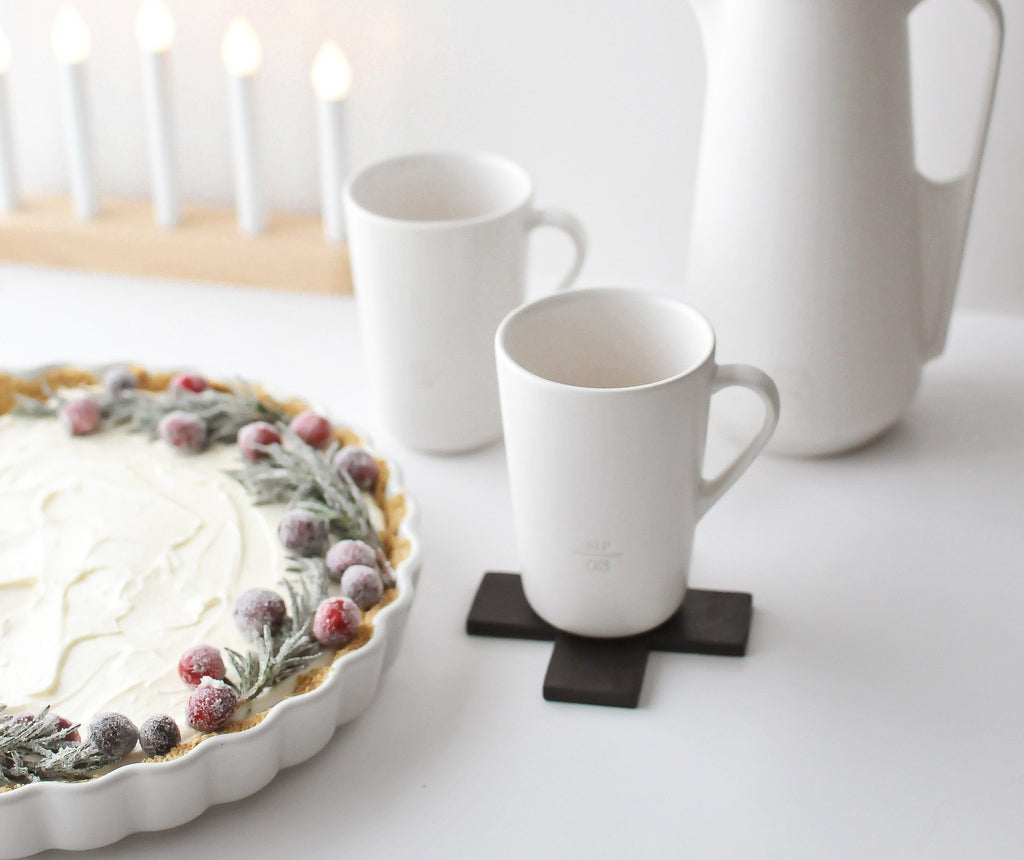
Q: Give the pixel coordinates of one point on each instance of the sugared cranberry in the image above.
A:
(345, 553)
(362, 584)
(81, 415)
(63, 723)
(159, 735)
(191, 382)
(311, 428)
(303, 533)
(117, 380)
(201, 661)
(183, 431)
(254, 436)
(257, 608)
(113, 734)
(211, 706)
(336, 621)
(361, 467)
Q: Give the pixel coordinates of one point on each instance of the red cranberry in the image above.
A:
(191, 382)
(253, 437)
(81, 416)
(201, 661)
(63, 723)
(313, 429)
(361, 467)
(211, 706)
(183, 431)
(336, 621)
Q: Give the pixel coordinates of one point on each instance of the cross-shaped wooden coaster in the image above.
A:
(611, 671)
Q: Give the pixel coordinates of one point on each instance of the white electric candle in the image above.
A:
(154, 29)
(242, 54)
(8, 182)
(71, 43)
(332, 79)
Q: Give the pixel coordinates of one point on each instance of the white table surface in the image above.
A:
(879, 711)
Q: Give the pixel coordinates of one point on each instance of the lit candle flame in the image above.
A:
(5, 53)
(70, 37)
(241, 50)
(332, 74)
(154, 27)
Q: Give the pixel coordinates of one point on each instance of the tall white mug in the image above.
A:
(438, 244)
(604, 397)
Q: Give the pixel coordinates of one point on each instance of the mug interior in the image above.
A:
(607, 338)
(440, 186)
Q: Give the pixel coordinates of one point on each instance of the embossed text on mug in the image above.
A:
(598, 555)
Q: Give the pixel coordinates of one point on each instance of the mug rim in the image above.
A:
(490, 159)
(647, 295)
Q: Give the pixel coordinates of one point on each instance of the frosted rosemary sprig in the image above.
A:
(45, 408)
(76, 761)
(37, 736)
(300, 476)
(223, 412)
(274, 657)
(34, 408)
(38, 749)
(305, 585)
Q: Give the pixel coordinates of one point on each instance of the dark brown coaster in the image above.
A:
(500, 609)
(611, 671)
(708, 622)
(597, 671)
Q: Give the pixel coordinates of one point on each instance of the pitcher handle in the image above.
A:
(944, 212)
(573, 228)
(710, 491)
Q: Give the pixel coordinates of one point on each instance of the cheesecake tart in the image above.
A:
(179, 559)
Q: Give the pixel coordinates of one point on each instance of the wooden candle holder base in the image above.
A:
(292, 254)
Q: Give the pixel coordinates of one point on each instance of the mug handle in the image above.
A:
(572, 227)
(710, 491)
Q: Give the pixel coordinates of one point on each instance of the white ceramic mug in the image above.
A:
(438, 243)
(604, 398)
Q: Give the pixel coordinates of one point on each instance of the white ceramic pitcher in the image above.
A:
(818, 250)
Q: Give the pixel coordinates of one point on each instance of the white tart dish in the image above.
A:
(145, 796)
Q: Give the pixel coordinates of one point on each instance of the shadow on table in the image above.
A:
(956, 416)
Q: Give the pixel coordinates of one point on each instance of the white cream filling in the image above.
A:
(116, 554)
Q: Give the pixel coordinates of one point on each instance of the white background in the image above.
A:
(600, 99)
